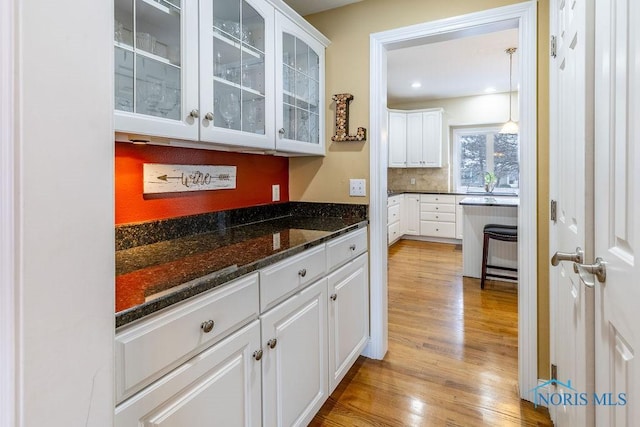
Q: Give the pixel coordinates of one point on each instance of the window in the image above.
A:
(477, 151)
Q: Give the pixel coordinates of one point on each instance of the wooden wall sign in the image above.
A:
(158, 178)
(342, 120)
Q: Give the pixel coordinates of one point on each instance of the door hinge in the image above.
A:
(553, 46)
(554, 374)
(554, 211)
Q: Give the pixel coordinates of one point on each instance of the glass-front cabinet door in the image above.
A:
(156, 74)
(299, 90)
(236, 73)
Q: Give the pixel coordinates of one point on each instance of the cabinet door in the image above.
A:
(432, 139)
(412, 214)
(156, 67)
(220, 386)
(294, 365)
(299, 90)
(348, 317)
(236, 73)
(414, 141)
(397, 140)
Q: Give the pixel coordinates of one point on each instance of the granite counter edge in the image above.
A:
(212, 281)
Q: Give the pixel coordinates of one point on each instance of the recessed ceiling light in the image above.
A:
(490, 89)
(416, 85)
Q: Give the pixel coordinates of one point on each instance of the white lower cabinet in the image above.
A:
(348, 317)
(214, 360)
(411, 215)
(218, 387)
(294, 365)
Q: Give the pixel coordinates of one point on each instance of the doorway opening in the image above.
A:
(524, 15)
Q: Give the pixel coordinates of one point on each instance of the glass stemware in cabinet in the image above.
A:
(229, 107)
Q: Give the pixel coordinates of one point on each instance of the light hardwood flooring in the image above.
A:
(453, 349)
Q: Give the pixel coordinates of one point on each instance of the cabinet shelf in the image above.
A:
(236, 43)
(165, 6)
(237, 86)
(146, 54)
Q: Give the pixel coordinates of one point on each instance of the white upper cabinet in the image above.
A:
(219, 72)
(419, 144)
(156, 67)
(236, 84)
(397, 140)
(299, 89)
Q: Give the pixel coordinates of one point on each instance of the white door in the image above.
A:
(397, 140)
(617, 207)
(571, 144)
(294, 365)
(348, 317)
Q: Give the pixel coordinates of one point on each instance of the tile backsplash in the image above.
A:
(426, 179)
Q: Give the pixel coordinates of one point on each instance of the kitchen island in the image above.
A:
(478, 212)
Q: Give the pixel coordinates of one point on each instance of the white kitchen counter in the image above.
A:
(478, 212)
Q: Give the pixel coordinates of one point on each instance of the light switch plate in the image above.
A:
(357, 187)
(275, 192)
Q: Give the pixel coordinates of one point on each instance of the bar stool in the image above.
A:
(505, 233)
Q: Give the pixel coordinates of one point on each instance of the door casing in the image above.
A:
(525, 15)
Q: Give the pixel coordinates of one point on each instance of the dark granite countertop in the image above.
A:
(154, 276)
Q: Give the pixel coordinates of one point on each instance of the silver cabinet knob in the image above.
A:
(257, 354)
(194, 113)
(207, 326)
(352, 247)
(272, 343)
(302, 272)
(209, 116)
(333, 297)
(281, 131)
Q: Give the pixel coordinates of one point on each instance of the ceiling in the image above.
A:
(307, 7)
(465, 65)
(448, 69)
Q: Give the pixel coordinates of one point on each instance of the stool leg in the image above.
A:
(485, 253)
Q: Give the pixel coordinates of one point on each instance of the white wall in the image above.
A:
(471, 110)
(65, 243)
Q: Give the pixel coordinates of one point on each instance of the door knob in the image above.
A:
(578, 257)
(598, 269)
(194, 113)
(209, 116)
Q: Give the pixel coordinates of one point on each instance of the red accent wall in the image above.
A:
(255, 176)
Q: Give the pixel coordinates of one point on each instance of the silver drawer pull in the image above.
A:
(272, 343)
(352, 247)
(257, 354)
(207, 326)
(302, 272)
(333, 297)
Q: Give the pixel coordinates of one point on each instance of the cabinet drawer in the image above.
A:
(346, 248)
(290, 275)
(395, 200)
(393, 214)
(430, 207)
(438, 198)
(437, 217)
(393, 232)
(147, 350)
(438, 229)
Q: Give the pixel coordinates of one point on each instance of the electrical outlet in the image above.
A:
(276, 241)
(275, 193)
(357, 187)
(413, 181)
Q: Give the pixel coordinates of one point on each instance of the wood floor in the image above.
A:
(453, 349)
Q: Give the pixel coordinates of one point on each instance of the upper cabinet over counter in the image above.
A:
(246, 74)
(417, 139)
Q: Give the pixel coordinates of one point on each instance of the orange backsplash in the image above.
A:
(255, 176)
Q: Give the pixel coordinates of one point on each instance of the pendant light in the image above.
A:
(510, 127)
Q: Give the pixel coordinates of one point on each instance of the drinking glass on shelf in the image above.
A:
(229, 108)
